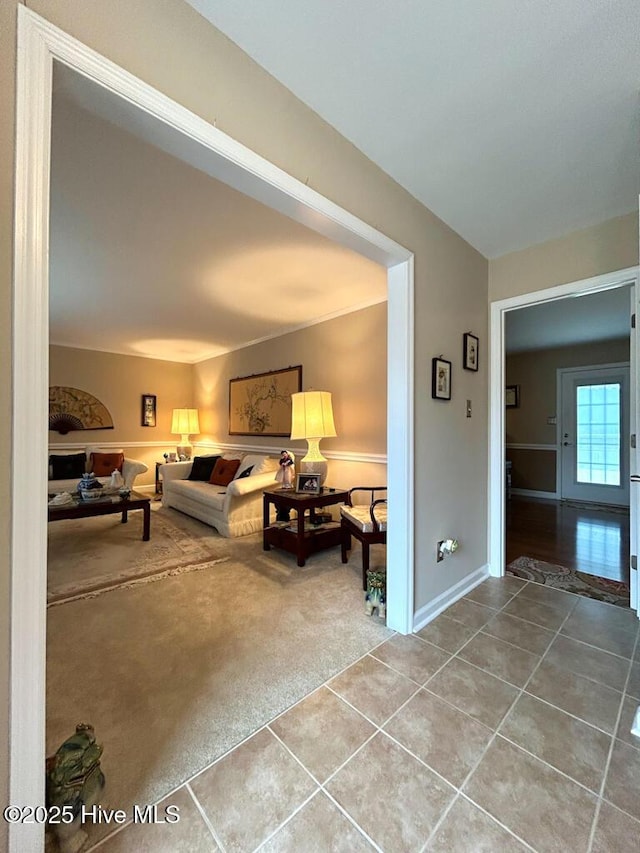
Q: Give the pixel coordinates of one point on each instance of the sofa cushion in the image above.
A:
(202, 468)
(224, 471)
(202, 493)
(258, 463)
(246, 472)
(66, 466)
(103, 464)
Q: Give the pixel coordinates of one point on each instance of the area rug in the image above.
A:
(91, 556)
(569, 580)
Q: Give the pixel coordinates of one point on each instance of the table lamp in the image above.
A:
(312, 418)
(184, 423)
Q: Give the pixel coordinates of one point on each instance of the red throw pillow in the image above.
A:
(104, 464)
(224, 471)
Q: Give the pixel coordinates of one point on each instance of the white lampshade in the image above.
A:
(185, 423)
(312, 418)
(312, 415)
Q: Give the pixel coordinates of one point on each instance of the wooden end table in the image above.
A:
(107, 505)
(302, 536)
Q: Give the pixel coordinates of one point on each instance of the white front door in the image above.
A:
(594, 434)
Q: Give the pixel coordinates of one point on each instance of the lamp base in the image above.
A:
(314, 466)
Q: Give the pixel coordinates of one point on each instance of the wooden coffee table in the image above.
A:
(107, 505)
(301, 536)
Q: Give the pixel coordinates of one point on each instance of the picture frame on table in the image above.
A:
(308, 484)
(148, 418)
(512, 396)
(470, 351)
(440, 378)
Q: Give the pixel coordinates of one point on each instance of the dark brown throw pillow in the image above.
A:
(224, 471)
(104, 464)
(202, 468)
(66, 467)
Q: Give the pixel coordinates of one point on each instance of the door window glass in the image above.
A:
(598, 434)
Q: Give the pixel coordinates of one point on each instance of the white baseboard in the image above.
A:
(429, 612)
(533, 493)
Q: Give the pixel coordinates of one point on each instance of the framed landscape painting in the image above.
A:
(261, 404)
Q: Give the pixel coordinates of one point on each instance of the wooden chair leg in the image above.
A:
(365, 562)
(345, 544)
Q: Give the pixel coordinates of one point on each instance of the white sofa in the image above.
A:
(234, 510)
(130, 469)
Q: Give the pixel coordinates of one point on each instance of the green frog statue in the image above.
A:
(74, 778)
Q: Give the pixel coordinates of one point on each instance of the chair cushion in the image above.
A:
(360, 516)
(224, 471)
(66, 466)
(103, 464)
(202, 468)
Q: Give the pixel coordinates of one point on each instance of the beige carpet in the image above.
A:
(174, 673)
(89, 555)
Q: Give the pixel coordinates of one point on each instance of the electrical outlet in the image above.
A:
(439, 554)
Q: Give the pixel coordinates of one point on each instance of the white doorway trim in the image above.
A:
(39, 44)
(498, 310)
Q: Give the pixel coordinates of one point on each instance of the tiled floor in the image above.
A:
(504, 725)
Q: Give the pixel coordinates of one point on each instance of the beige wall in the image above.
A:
(610, 246)
(119, 381)
(169, 46)
(535, 373)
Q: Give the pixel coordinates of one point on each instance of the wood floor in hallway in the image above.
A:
(590, 540)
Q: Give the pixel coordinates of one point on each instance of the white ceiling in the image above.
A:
(515, 122)
(595, 317)
(150, 256)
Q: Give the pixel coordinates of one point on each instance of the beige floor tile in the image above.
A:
(616, 832)
(411, 656)
(394, 798)
(494, 592)
(622, 787)
(251, 791)
(502, 659)
(319, 826)
(629, 708)
(473, 691)
(585, 660)
(466, 829)
(373, 688)
(470, 614)
(546, 614)
(544, 808)
(592, 702)
(447, 633)
(322, 731)
(525, 635)
(633, 687)
(569, 745)
(443, 737)
(188, 835)
(610, 628)
(548, 595)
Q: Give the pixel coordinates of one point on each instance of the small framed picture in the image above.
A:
(148, 410)
(512, 396)
(470, 351)
(440, 379)
(309, 484)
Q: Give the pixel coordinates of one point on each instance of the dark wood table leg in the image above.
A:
(301, 559)
(265, 522)
(125, 516)
(146, 523)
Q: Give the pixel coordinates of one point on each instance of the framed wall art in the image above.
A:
(470, 351)
(261, 404)
(512, 396)
(440, 379)
(148, 418)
